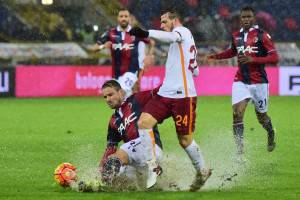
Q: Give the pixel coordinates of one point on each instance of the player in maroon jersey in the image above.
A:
(254, 48)
(127, 52)
(123, 127)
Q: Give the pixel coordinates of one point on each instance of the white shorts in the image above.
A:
(136, 152)
(127, 82)
(258, 93)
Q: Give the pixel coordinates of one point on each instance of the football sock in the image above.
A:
(145, 135)
(269, 127)
(238, 133)
(195, 154)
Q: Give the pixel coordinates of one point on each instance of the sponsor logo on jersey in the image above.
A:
(248, 49)
(121, 46)
(122, 127)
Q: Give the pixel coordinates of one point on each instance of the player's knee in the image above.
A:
(237, 116)
(142, 124)
(146, 121)
(262, 118)
(110, 170)
(185, 141)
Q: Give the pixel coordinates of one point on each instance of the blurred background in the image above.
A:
(80, 22)
(60, 32)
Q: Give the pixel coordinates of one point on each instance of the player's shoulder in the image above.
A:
(183, 32)
(181, 29)
(236, 33)
(112, 120)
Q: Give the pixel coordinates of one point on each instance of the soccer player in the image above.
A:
(127, 52)
(177, 96)
(254, 49)
(123, 127)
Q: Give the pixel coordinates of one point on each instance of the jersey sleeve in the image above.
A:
(164, 36)
(145, 40)
(113, 139)
(272, 56)
(268, 43)
(103, 38)
(113, 135)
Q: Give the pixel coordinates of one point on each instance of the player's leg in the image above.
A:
(112, 166)
(238, 124)
(240, 98)
(266, 122)
(137, 156)
(184, 114)
(109, 172)
(260, 99)
(155, 111)
(145, 123)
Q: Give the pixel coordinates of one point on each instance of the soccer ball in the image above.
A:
(65, 174)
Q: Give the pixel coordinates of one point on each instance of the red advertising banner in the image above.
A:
(50, 81)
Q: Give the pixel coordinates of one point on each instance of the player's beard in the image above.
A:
(124, 24)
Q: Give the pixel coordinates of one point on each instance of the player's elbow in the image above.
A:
(275, 58)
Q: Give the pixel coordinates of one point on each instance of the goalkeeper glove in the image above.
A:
(139, 32)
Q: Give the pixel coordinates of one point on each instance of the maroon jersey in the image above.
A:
(124, 51)
(257, 44)
(123, 123)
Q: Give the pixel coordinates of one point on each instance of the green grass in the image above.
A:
(38, 134)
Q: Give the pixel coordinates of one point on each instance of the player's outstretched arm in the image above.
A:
(99, 47)
(163, 36)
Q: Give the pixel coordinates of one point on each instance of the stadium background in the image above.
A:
(44, 53)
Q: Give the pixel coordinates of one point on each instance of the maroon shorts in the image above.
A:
(183, 112)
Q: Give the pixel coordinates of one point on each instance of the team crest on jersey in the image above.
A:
(255, 39)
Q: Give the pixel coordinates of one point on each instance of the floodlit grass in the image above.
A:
(38, 134)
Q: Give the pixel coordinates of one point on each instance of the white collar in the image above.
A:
(127, 30)
(251, 29)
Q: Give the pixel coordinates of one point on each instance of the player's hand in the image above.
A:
(139, 32)
(107, 45)
(99, 47)
(211, 57)
(245, 59)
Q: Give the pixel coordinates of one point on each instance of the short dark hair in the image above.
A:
(248, 8)
(123, 9)
(113, 84)
(173, 13)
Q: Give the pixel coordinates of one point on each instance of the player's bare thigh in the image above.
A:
(146, 121)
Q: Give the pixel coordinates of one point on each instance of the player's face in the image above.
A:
(123, 18)
(166, 23)
(112, 97)
(247, 19)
